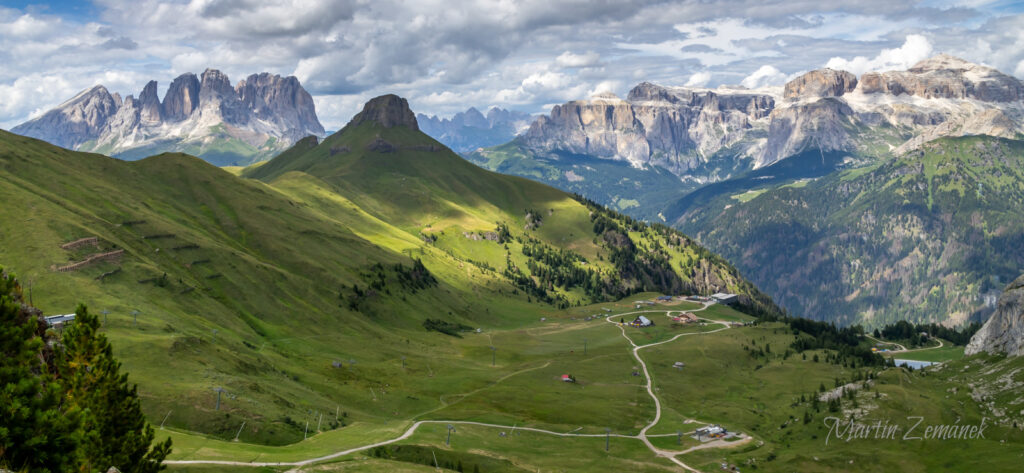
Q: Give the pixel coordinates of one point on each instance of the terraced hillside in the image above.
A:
(335, 280)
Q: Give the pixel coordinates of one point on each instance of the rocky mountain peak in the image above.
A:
(820, 83)
(74, 121)
(149, 102)
(1004, 331)
(182, 97)
(387, 111)
(216, 85)
(280, 100)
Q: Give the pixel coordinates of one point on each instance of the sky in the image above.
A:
(447, 55)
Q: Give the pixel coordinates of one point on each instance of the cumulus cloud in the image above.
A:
(568, 59)
(699, 79)
(521, 54)
(914, 49)
(764, 76)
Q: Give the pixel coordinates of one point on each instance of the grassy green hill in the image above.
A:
(335, 292)
(309, 286)
(930, 236)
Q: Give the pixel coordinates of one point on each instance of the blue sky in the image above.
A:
(446, 56)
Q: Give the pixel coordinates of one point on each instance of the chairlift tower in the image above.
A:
(448, 441)
(219, 391)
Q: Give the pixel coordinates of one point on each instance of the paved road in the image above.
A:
(642, 436)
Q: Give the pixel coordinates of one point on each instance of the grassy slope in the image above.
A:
(255, 272)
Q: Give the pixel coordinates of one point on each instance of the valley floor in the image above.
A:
(270, 459)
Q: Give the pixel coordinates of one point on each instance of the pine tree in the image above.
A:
(116, 432)
(37, 432)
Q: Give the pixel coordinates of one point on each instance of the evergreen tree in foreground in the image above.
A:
(64, 405)
(115, 430)
(38, 431)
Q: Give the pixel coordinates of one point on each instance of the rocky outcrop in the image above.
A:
(1004, 330)
(265, 113)
(387, 111)
(820, 83)
(74, 122)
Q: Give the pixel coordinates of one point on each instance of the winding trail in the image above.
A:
(904, 349)
(642, 436)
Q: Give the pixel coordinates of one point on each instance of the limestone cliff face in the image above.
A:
(1004, 331)
(265, 113)
(676, 128)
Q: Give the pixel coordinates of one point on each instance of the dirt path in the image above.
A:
(642, 436)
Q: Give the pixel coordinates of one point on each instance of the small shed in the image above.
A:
(641, 321)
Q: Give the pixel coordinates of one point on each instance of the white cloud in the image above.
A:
(568, 59)
(764, 76)
(699, 79)
(511, 53)
(914, 49)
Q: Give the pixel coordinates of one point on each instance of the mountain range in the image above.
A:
(467, 131)
(708, 135)
(204, 116)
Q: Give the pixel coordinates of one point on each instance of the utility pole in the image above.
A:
(607, 438)
(679, 434)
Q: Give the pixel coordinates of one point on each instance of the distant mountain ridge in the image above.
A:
(683, 129)
(206, 116)
(701, 136)
(469, 130)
